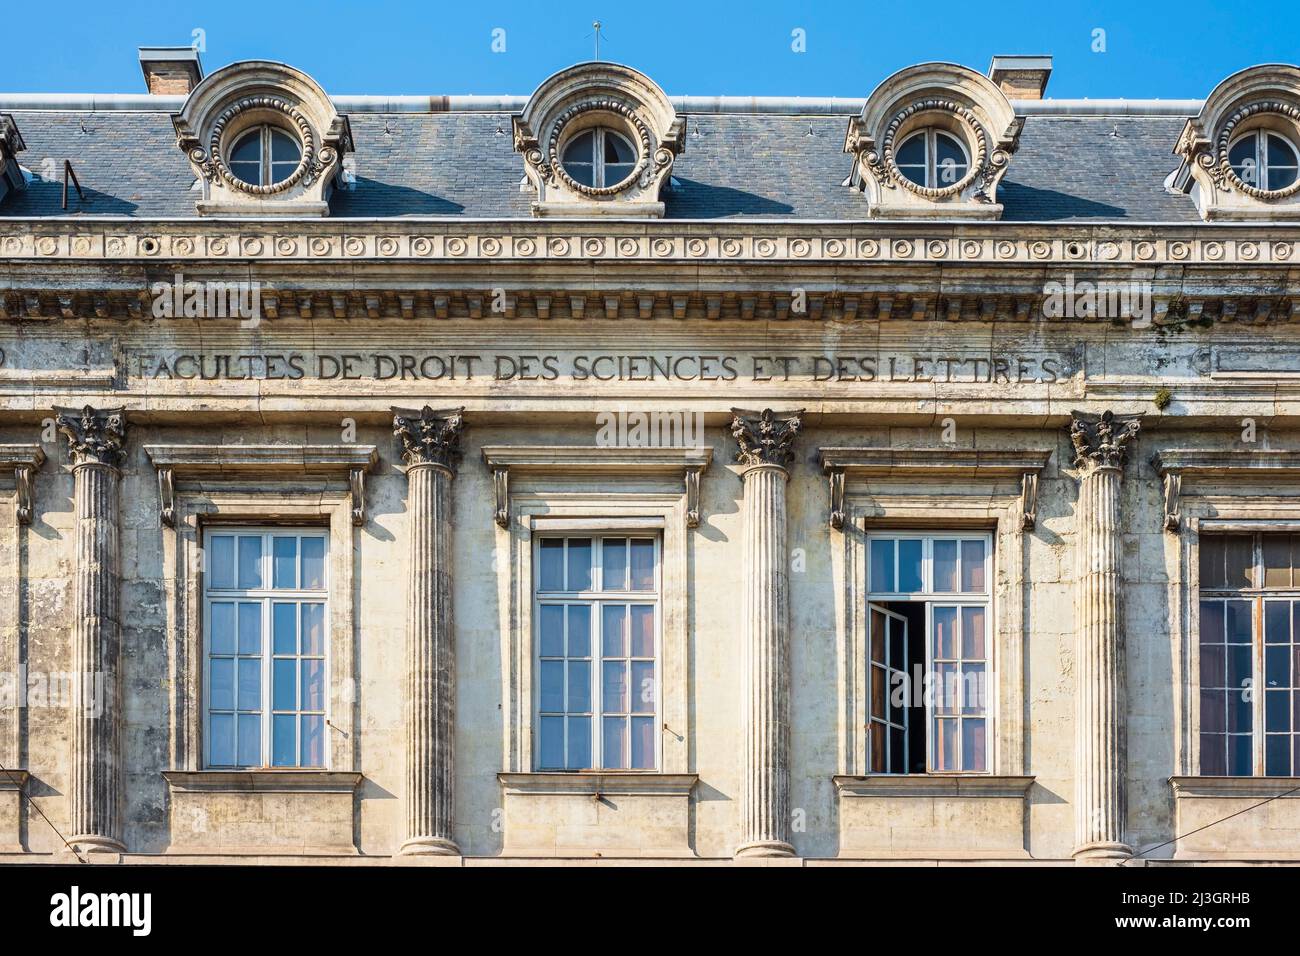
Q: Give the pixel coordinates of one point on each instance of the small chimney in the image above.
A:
(1021, 77)
(170, 69)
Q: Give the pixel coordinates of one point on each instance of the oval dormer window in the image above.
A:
(264, 156)
(599, 158)
(932, 158)
(1264, 159)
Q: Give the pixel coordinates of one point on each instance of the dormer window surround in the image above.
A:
(598, 139)
(11, 144)
(264, 140)
(1241, 153)
(933, 141)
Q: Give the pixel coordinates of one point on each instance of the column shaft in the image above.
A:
(765, 804)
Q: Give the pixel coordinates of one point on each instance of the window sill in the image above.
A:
(597, 783)
(1209, 811)
(12, 786)
(262, 781)
(1227, 787)
(932, 785)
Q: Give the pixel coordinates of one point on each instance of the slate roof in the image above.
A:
(1068, 168)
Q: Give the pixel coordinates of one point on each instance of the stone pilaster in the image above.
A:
(1099, 739)
(95, 439)
(766, 443)
(430, 447)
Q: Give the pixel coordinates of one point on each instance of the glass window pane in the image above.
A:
(579, 630)
(973, 745)
(614, 574)
(250, 561)
(643, 630)
(643, 687)
(1280, 177)
(1214, 711)
(1241, 712)
(284, 681)
(1241, 157)
(284, 744)
(612, 642)
(1239, 665)
(579, 743)
(945, 632)
(909, 566)
(1237, 623)
(284, 628)
(945, 744)
(1211, 561)
(974, 689)
(643, 564)
(250, 627)
(897, 644)
(551, 625)
(948, 689)
(877, 739)
(313, 629)
(313, 563)
(579, 687)
(897, 750)
(221, 746)
(221, 683)
(1214, 755)
(617, 149)
(972, 633)
(643, 743)
(912, 152)
(313, 741)
(878, 636)
(284, 148)
(250, 683)
(579, 562)
(1277, 755)
(582, 173)
(313, 685)
(945, 565)
(222, 637)
(972, 566)
(250, 740)
(879, 692)
(1277, 711)
(552, 687)
(614, 743)
(1212, 622)
(1277, 666)
(1239, 556)
(284, 555)
(551, 747)
(882, 565)
(248, 148)
(1277, 560)
(614, 691)
(551, 559)
(1214, 669)
(250, 173)
(221, 562)
(1277, 622)
(581, 148)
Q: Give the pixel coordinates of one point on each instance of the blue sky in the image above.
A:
(1150, 49)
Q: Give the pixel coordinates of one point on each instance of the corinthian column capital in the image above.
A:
(429, 437)
(1101, 441)
(766, 437)
(95, 437)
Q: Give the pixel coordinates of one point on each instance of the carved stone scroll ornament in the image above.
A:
(1029, 500)
(1101, 441)
(766, 437)
(837, 498)
(167, 495)
(429, 437)
(94, 437)
(693, 497)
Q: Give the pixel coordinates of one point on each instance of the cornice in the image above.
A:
(932, 785)
(1238, 464)
(599, 784)
(25, 461)
(262, 781)
(1092, 244)
(1255, 788)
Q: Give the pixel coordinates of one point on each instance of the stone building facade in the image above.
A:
(605, 475)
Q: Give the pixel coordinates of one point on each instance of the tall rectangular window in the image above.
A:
(596, 604)
(265, 612)
(929, 652)
(1250, 654)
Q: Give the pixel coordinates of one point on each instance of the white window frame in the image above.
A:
(929, 136)
(957, 599)
(598, 154)
(1263, 167)
(597, 598)
(267, 596)
(265, 163)
(1256, 597)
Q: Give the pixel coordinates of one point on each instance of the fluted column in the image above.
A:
(765, 443)
(430, 443)
(1099, 739)
(95, 439)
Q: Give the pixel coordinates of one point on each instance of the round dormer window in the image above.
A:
(932, 159)
(1265, 160)
(599, 158)
(264, 156)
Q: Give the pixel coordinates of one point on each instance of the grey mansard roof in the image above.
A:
(1072, 165)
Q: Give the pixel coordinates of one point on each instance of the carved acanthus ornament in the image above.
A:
(429, 437)
(1101, 441)
(765, 438)
(94, 437)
